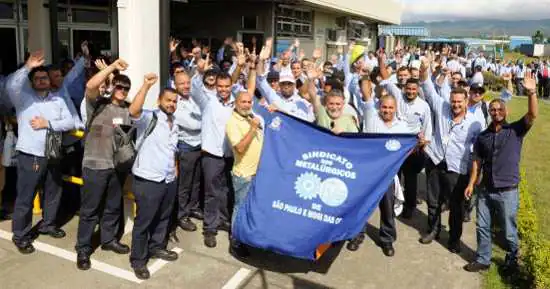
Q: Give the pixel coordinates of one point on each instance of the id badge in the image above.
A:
(117, 121)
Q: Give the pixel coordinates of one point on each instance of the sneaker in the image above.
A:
(187, 225)
(475, 267)
(210, 240)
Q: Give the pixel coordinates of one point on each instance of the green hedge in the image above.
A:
(493, 82)
(534, 250)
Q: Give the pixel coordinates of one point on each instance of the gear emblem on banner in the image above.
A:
(307, 186)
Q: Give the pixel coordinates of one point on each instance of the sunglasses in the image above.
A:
(122, 87)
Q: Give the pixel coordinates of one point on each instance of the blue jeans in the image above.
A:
(241, 186)
(505, 207)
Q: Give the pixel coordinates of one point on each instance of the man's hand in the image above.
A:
(39, 122)
(340, 49)
(529, 83)
(468, 192)
(272, 108)
(241, 60)
(100, 64)
(36, 59)
(264, 54)
(422, 142)
(313, 74)
(301, 55)
(252, 60)
(269, 43)
(254, 123)
(150, 79)
(85, 49)
(337, 130)
(296, 42)
(120, 64)
(317, 53)
(173, 44)
(203, 65)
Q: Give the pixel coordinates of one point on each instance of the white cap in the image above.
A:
(285, 77)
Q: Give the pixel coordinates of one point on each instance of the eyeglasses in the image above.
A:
(122, 87)
(41, 78)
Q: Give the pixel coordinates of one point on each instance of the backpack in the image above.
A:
(124, 149)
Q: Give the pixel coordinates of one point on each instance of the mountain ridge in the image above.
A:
(484, 27)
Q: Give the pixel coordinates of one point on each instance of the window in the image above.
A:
(6, 10)
(294, 22)
(90, 15)
(250, 22)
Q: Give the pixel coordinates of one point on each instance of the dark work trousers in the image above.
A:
(10, 188)
(71, 166)
(33, 172)
(456, 184)
(442, 183)
(217, 189)
(410, 169)
(435, 193)
(154, 201)
(101, 195)
(387, 232)
(189, 185)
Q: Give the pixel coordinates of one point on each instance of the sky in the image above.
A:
(438, 10)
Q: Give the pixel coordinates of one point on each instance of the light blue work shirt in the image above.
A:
(416, 112)
(452, 142)
(374, 123)
(215, 115)
(29, 104)
(294, 105)
(189, 120)
(156, 159)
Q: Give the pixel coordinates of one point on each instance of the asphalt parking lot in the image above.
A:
(413, 266)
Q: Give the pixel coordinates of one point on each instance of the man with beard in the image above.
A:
(416, 112)
(449, 157)
(245, 134)
(154, 184)
(497, 152)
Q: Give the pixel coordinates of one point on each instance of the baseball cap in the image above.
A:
(477, 87)
(357, 52)
(287, 78)
(273, 76)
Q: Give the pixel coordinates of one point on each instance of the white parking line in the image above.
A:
(97, 265)
(237, 279)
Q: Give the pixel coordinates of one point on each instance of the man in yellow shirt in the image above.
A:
(244, 131)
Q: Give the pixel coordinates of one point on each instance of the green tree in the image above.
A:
(538, 37)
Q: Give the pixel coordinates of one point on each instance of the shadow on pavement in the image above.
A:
(270, 261)
(297, 283)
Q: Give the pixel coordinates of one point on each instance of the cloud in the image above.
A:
(437, 10)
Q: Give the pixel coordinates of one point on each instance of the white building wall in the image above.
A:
(138, 41)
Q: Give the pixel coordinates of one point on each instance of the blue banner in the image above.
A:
(313, 187)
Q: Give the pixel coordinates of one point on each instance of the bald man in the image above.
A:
(245, 134)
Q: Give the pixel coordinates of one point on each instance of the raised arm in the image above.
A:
(92, 87)
(251, 83)
(79, 68)
(197, 86)
(270, 95)
(137, 104)
(430, 94)
(533, 107)
(16, 82)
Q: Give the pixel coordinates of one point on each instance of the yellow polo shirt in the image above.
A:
(236, 129)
